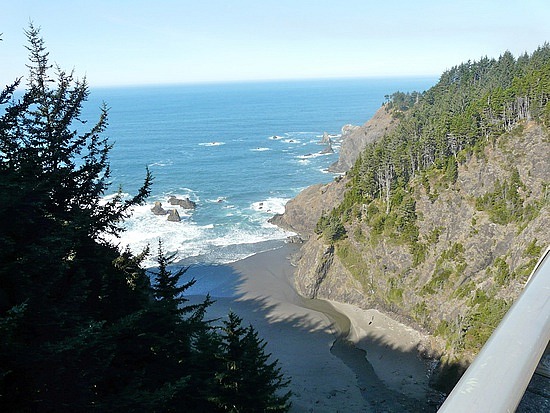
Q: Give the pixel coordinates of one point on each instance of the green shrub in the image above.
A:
(504, 204)
(533, 250)
(420, 311)
(501, 271)
(482, 319)
(464, 290)
(395, 293)
(419, 252)
(355, 264)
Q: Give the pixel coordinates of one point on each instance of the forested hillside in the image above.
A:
(83, 326)
(444, 217)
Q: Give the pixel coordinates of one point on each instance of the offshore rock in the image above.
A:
(185, 203)
(158, 209)
(328, 148)
(326, 138)
(174, 216)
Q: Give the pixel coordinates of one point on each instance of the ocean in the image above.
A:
(240, 151)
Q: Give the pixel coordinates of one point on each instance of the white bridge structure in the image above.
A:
(497, 378)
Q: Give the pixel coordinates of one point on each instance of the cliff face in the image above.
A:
(472, 267)
(321, 274)
(303, 212)
(355, 138)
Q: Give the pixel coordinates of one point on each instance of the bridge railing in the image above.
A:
(497, 378)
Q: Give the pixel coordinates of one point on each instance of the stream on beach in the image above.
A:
(260, 289)
(379, 396)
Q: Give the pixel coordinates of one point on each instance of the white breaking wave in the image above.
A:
(161, 164)
(230, 222)
(312, 155)
(270, 205)
(209, 242)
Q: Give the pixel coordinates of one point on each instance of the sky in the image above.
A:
(135, 42)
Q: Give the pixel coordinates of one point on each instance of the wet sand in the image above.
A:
(340, 358)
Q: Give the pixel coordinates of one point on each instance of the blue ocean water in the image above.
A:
(239, 150)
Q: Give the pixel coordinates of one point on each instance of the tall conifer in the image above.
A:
(81, 326)
(57, 280)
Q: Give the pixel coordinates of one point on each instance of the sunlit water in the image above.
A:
(240, 151)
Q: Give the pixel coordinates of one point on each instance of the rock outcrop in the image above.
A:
(326, 138)
(355, 138)
(174, 216)
(328, 149)
(320, 274)
(302, 213)
(158, 209)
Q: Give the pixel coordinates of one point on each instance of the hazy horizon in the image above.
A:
(128, 43)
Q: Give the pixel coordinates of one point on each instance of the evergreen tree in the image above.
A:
(165, 288)
(249, 381)
(58, 285)
(81, 326)
(471, 105)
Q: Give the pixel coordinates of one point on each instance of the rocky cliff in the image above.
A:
(472, 267)
(355, 138)
(303, 212)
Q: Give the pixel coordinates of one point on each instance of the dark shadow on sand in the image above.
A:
(223, 282)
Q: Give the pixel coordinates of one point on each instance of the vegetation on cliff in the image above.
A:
(444, 217)
(82, 328)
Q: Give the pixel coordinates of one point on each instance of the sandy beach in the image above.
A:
(340, 358)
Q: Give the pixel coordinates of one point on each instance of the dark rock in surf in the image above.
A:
(158, 209)
(328, 149)
(185, 203)
(174, 216)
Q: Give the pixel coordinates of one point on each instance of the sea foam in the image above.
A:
(181, 133)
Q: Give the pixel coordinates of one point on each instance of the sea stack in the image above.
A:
(185, 203)
(325, 138)
(158, 209)
(328, 148)
(174, 216)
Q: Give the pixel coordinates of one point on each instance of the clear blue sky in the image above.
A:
(128, 42)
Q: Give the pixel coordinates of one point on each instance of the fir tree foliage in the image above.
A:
(82, 327)
(471, 105)
(58, 286)
(165, 288)
(249, 381)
